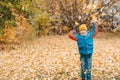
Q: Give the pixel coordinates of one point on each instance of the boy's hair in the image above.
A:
(82, 27)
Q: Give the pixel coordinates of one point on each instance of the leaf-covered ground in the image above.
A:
(57, 58)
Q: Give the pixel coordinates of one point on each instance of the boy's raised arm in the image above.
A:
(72, 35)
(95, 29)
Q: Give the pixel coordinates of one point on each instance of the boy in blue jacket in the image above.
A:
(85, 46)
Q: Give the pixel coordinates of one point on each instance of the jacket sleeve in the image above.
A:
(72, 35)
(95, 30)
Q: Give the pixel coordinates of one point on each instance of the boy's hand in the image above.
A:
(94, 20)
(73, 30)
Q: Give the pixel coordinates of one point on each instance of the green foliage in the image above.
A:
(9, 9)
(1, 30)
(42, 23)
(34, 9)
(43, 19)
(20, 7)
(5, 13)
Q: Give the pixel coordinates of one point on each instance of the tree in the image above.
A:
(10, 10)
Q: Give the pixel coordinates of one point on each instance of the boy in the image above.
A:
(85, 46)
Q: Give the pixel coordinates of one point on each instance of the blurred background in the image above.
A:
(21, 19)
(34, 44)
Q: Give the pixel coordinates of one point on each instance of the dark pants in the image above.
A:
(86, 66)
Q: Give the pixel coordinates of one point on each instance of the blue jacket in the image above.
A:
(85, 43)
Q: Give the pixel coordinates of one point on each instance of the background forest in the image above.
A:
(34, 44)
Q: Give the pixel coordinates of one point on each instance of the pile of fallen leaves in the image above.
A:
(57, 58)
